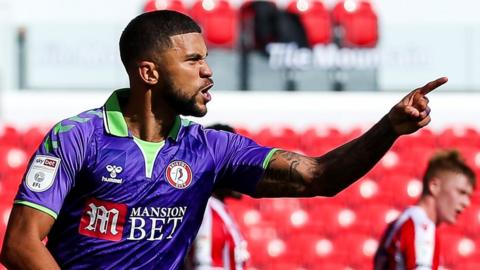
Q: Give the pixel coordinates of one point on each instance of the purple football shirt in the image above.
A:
(120, 203)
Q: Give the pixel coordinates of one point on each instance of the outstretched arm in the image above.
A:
(23, 247)
(293, 175)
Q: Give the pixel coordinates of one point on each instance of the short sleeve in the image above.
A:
(240, 161)
(52, 169)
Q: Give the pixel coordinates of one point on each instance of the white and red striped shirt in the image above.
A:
(410, 242)
(219, 243)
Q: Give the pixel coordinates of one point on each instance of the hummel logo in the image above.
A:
(113, 170)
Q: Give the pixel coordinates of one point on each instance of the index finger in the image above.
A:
(427, 88)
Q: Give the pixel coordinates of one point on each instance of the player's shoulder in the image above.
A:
(84, 123)
(73, 131)
(416, 214)
(85, 120)
(420, 220)
(412, 216)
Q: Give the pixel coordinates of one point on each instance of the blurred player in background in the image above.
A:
(219, 243)
(126, 185)
(412, 240)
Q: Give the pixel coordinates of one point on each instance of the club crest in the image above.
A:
(179, 174)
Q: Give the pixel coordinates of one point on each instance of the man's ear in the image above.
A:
(148, 72)
(434, 186)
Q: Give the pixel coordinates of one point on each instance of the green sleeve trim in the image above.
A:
(266, 161)
(38, 207)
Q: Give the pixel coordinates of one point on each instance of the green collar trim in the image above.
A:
(114, 121)
(113, 118)
(176, 128)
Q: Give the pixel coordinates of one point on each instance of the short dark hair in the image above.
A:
(151, 32)
(447, 161)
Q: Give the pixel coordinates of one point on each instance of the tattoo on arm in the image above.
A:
(288, 175)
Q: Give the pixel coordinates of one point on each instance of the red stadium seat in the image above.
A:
(358, 248)
(312, 249)
(13, 159)
(264, 137)
(331, 218)
(259, 237)
(283, 137)
(357, 22)
(400, 190)
(218, 20)
(279, 205)
(286, 265)
(31, 139)
(471, 155)
(10, 137)
(459, 137)
(9, 182)
(374, 217)
(423, 138)
(333, 265)
(315, 19)
(468, 265)
(415, 160)
(363, 191)
(455, 248)
(390, 161)
(7, 194)
(277, 251)
(290, 221)
(245, 215)
(315, 141)
(176, 5)
(469, 220)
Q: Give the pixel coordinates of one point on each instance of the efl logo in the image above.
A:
(104, 220)
(179, 174)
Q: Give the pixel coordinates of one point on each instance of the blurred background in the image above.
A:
(304, 75)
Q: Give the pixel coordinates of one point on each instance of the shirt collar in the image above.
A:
(114, 122)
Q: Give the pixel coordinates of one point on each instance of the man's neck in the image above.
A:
(146, 121)
(427, 203)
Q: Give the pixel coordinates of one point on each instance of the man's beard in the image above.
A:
(182, 104)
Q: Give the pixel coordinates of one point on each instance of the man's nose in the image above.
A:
(206, 71)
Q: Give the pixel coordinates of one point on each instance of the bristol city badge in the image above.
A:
(179, 174)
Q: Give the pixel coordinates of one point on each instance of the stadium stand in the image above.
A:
(317, 233)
